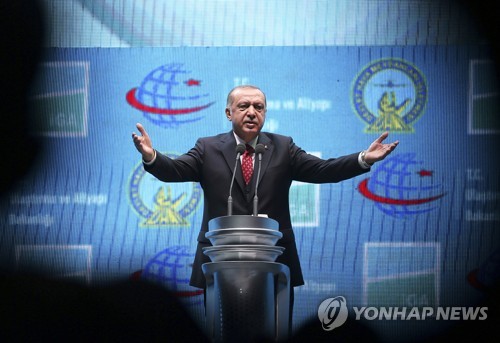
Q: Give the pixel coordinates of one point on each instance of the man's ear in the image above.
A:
(228, 113)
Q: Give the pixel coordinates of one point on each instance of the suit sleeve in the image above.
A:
(309, 168)
(186, 167)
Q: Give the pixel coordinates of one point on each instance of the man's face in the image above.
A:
(247, 112)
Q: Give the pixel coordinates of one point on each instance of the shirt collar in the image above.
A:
(252, 143)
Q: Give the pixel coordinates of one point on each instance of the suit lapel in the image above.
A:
(266, 157)
(228, 149)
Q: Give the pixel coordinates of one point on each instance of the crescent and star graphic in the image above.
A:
(365, 191)
(132, 100)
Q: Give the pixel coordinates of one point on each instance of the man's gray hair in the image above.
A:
(230, 97)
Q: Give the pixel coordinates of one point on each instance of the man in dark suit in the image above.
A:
(211, 162)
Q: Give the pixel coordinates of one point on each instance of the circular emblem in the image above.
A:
(400, 187)
(171, 268)
(389, 95)
(332, 313)
(168, 98)
(162, 204)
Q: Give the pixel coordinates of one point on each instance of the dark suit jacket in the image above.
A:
(211, 162)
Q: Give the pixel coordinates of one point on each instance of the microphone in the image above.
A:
(240, 148)
(259, 150)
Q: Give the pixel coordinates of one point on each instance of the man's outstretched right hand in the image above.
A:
(143, 144)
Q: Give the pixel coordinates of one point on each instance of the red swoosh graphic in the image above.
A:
(188, 293)
(363, 189)
(132, 100)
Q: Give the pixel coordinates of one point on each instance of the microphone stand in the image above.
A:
(259, 149)
(240, 148)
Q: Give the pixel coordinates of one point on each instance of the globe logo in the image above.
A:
(171, 268)
(400, 187)
(168, 98)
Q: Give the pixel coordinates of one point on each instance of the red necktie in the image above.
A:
(247, 164)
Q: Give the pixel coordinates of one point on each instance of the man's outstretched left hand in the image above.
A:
(379, 150)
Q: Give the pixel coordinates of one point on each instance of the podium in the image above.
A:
(248, 293)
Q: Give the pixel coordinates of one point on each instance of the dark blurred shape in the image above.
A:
(475, 330)
(485, 14)
(36, 309)
(486, 277)
(351, 331)
(22, 27)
